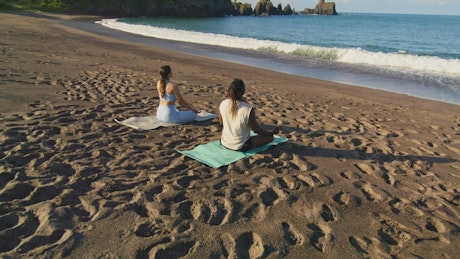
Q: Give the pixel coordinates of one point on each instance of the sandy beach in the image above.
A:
(364, 173)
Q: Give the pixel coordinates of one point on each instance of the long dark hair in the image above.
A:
(164, 73)
(235, 93)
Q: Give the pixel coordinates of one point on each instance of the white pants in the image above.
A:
(169, 113)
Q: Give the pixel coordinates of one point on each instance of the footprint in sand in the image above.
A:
(174, 249)
(371, 247)
(326, 212)
(320, 236)
(350, 175)
(269, 197)
(260, 161)
(405, 206)
(289, 182)
(371, 192)
(214, 213)
(187, 181)
(253, 211)
(300, 163)
(435, 225)
(152, 228)
(392, 232)
(359, 244)
(346, 199)
(293, 236)
(388, 178)
(247, 245)
(241, 192)
(366, 168)
(272, 190)
(315, 180)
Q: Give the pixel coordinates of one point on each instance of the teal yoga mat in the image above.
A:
(215, 155)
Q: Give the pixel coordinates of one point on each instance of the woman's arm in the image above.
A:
(220, 116)
(256, 128)
(181, 99)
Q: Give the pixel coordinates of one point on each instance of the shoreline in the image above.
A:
(357, 75)
(76, 184)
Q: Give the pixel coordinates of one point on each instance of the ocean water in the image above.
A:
(416, 55)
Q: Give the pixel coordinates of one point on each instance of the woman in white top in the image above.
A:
(238, 118)
(169, 93)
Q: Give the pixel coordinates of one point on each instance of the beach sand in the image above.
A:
(364, 173)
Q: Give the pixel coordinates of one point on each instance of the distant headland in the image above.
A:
(164, 8)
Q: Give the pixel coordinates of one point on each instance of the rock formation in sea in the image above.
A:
(243, 9)
(266, 7)
(322, 8)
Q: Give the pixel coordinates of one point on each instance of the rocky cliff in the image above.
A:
(168, 8)
(197, 8)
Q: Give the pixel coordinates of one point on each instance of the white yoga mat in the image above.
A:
(151, 122)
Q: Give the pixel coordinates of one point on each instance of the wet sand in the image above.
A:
(364, 174)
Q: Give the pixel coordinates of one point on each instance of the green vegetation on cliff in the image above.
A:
(125, 8)
(32, 5)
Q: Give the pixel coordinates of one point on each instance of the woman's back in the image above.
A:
(237, 130)
(238, 119)
(169, 93)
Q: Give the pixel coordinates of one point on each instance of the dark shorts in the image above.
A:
(247, 145)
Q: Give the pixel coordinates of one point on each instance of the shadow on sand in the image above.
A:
(357, 153)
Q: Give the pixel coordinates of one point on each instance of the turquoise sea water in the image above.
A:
(417, 55)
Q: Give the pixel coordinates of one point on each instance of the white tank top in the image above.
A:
(236, 130)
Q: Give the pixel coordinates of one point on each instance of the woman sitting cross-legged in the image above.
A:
(169, 93)
(238, 118)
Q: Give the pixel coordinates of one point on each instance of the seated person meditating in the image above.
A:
(238, 118)
(169, 93)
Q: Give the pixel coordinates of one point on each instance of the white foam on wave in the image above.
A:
(394, 61)
(401, 60)
(199, 37)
